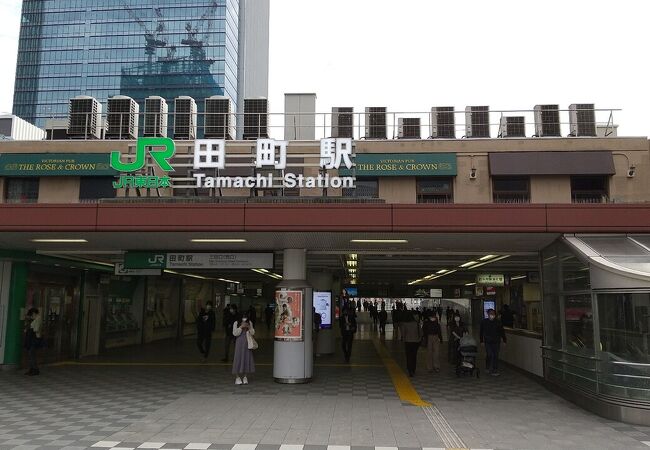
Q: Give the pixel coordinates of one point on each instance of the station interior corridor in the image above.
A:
(164, 395)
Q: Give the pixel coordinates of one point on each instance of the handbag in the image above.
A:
(252, 343)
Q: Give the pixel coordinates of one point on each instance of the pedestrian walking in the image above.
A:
(205, 325)
(243, 362)
(456, 330)
(33, 339)
(432, 332)
(268, 317)
(492, 334)
(412, 338)
(348, 324)
(383, 318)
(317, 322)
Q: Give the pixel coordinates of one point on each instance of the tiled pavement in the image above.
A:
(80, 406)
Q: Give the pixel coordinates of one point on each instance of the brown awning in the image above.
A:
(552, 163)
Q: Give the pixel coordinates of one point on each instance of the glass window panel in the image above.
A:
(21, 190)
(366, 188)
(578, 317)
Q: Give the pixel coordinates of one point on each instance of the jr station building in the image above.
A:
(120, 234)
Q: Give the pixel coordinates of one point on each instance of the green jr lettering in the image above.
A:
(161, 157)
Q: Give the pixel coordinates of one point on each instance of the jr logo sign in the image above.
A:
(161, 150)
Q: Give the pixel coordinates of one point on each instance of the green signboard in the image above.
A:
(145, 260)
(403, 165)
(55, 164)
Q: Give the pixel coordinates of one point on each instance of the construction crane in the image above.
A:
(152, 42)
(196, 45)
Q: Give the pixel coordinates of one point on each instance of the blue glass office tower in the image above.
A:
(137, 48)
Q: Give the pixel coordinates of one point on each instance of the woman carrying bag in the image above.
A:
(243, 362)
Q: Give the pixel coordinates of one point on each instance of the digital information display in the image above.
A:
(488, 304)
(323, 305)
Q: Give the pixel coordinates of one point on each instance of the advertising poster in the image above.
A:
(323, 305)
(288, 315)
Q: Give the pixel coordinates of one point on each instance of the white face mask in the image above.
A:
(457, 319)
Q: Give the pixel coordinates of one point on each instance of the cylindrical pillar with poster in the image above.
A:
(293, 351)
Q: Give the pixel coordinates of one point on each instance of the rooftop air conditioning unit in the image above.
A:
(342, 122)
(547, 120)
(443, 122)
(477, 121)
(582, 119)
(122, 118)
(376, 122)
(409, 127)
(85, 118)
(155, 117)
(256, 118)
(184, 118)
(219, 118)
(514, 126)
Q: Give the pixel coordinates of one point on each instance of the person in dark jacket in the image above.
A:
(205, 325)
(383, 318)
(456, 330)
(433, 334)
(507, 317)
(33, 339)
(268, 316)
(492, 334)
(229, 318)
(348, 323)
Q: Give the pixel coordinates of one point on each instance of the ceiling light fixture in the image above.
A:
(519, 277)
(60, 241)
(217, 241)
(379, 241)
(470, 284)
(490, 261)
(441, 271)
(469, 263)
(486, 257)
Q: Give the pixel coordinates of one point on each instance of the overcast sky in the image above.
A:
(410, 55)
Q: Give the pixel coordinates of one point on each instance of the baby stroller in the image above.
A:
(467, 353)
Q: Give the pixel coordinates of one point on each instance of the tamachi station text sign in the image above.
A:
(163, 260)
(211, 154)
(55, 164)
(403, 165)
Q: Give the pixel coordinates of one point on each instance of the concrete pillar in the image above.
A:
(324, 281)
(293, 352)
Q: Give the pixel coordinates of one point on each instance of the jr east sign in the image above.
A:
(211, 154)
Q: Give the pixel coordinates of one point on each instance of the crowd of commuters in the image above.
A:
(414, 327)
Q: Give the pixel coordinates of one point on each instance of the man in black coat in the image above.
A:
(383, 318)
(492, 334)
(348, 323)
(205, 324)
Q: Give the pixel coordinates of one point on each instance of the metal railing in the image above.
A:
(318, 125)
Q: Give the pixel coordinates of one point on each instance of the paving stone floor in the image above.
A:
(194, 405)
